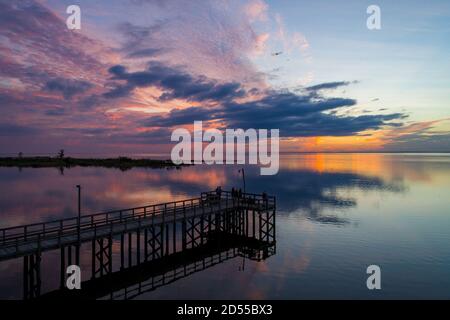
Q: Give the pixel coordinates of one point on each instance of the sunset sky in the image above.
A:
(138, 69)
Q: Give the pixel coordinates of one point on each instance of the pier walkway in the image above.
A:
(27, 239)
(155, 233)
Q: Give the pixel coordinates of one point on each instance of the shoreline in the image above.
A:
(122, 163)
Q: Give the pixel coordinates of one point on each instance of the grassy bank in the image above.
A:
(121, 163)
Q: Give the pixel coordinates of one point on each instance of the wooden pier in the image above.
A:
(149, 233)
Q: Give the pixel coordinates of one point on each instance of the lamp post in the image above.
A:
(243, 176)
(79, 226)
(79, 204)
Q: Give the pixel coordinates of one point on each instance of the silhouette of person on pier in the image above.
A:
(265, 199)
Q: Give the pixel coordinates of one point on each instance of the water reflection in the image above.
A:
(337, 213)
(132, 282)
(311, 184)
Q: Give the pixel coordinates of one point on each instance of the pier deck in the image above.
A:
(27, 239)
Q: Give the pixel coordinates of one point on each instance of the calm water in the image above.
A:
(336, 214)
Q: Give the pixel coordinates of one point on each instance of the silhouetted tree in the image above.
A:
(61, 154)
(20, 154)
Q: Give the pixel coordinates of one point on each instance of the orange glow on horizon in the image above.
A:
(369, 142)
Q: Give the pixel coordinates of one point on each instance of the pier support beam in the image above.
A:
(68, 255)
(32, 276)
(154, 243)
(102, 257)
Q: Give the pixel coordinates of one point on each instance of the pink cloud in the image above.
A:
(257, 10)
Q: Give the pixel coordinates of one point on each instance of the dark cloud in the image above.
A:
(156, 136)
(14, 130)
(295, 115)
(183, 116)
(89, 131)
(90, 102)
(176, 83)
(119, 92)
(134, 34)
(329, 85)
(118, 70)
(67, 87)
(56, 112)
(139, 40)
(145, 53)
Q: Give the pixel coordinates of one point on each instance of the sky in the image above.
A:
(138, 69)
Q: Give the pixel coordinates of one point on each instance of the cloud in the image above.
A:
(291, 42)
(256, 10)
(312, 193)
(211, 38)
(57, 112)
(67, 87)
(295, 115)
(150, 137)
(39, 52)
(419, 136)
(177, 84)
(145, 53)
(140, 40)
(200, 55)
(436, 142)
(328, 85)
(13, 130)
(261, 43)
(35, 44)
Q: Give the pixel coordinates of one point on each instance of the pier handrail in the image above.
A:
(69, 226)
(243, 197)
(103, 218)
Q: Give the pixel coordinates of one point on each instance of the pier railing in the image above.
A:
(243, 199)
(36, 232)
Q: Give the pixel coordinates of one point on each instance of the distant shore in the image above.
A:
(122, 163)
